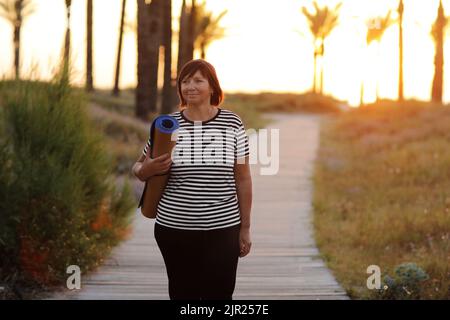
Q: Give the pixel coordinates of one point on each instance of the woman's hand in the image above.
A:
(245, 243)
(151, 167)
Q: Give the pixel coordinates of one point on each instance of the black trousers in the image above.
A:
(200, 264)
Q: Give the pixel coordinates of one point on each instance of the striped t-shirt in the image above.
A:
(201, 191)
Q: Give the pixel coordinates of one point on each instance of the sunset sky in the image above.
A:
(262, 51)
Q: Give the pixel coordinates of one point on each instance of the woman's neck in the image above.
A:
(200, 112)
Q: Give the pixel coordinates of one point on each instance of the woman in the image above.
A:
(203, 218)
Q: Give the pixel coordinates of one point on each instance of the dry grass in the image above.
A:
(249, 107)
(125, 136)
(382, 195)
(286, 102)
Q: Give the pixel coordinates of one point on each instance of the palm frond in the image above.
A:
(7, 10)
(208, 27)
(377, 26)
(14, 10)
(441, 21)
(28, 8)
(322, 21)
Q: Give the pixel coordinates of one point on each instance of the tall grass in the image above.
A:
(58, 201)
(382, 196)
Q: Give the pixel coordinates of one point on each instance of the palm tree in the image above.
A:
(190, 39)
(16, 11)
(322, 22)
(115, 91)
(148, 42)
(400, 44)
(167, 93)
(376, 27)
(186, 35)
(66, 59)
(208, 28)
(438, 36)
(89, 78)
(181, 35)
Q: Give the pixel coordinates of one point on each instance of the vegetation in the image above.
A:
(382, 182)
(250, 107)
(59, 201)
(406, 283)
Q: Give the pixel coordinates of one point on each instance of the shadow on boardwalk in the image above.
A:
(284, 262)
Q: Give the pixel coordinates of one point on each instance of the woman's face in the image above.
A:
(196, 89)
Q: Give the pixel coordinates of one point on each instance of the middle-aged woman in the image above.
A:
(202, 225)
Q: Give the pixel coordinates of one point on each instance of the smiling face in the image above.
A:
(196, 89)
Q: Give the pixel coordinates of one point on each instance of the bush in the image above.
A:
(405, 284)
(58, 201)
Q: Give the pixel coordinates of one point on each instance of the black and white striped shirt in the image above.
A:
(201, 190)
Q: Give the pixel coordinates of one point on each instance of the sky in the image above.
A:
(267, 47)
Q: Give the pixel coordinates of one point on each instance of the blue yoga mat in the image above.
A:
(164, 124)
(161, 141)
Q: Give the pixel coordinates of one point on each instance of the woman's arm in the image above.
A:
(137, 167)
(145, 167)
(243, 180)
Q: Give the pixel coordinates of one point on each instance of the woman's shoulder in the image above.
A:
(175, 114)
(230, 116)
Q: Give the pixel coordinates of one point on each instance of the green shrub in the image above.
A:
(404, 284)
(58, 201)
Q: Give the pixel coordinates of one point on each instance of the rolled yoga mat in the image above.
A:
(161, 132)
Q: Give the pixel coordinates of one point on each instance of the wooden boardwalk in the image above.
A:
(284, 262)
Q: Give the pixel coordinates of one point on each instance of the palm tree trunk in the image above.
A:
(315, 73)
(321, 76)
(149, 40)
(186, 35)
(365, 53)
(191, 32)
(377, 89)
(181, 38)
(436, 93)
(400, 59)
(67, 43)
(155, 42)
(203, 51)
(167, 43)
(361, 96)
(377, 80)
(17, 50)
(18, 6)
(89, 78)
(322, 66)
(115, 91)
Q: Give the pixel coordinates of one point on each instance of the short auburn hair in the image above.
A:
(208, 71)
